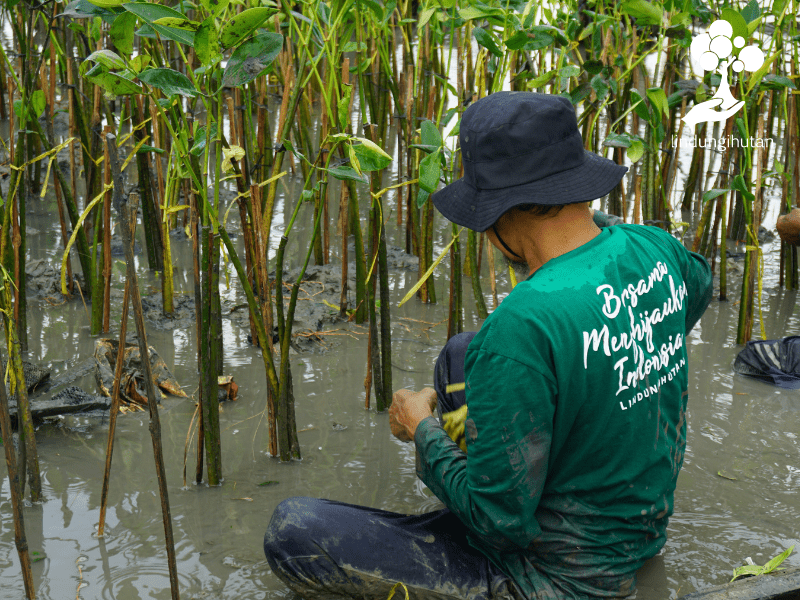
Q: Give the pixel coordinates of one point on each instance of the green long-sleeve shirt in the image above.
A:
(576, 389)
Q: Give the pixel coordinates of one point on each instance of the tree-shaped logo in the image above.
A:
(718, 50)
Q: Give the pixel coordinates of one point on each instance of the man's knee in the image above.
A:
(289, 522)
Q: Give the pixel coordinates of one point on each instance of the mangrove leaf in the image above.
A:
(252, 58)
(169, 81)
(150, 11)
(205, 42)
(737, 22)
(636, 151)
(658, 99)
(121, 32)
(347, 173)
(83, 9)
(618, 140)
(715, 193)
(542, 79)
(485, 39)
(110, 60)
(177, 23)
(740, 186)
(242, 25)
(38, 103)
(776, 82)
(114, 83)
(200, 139)
(430, 170)
(215, 7)
(751, 12)
(371, 157)
(644, 12)
(429, 134)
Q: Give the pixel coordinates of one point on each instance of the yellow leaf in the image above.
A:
(230, 154)
(427, 274)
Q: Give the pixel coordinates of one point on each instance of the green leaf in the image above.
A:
(715, 193)
(485, 39)
(144, 148)
(776, 82)
(121, 32)
(422, 197)
(517, 41)
(593, 66)
(169, 81)
(542, 79)
(618, 140)
(138, 63)
(752, 26)
(110, 60)
(740, 186)
(19, 109)
(376, 8)
(600, 86)
(569, 71)
(429, 134)
(242, 25)
(636, 151)
(775, 562)
(758, 75)
(751, 12)
(38, 103)
(178, 23)
(151, 12)
(579, 93)
(426, 148)
(644, 12)
(371, 157)
(430, 171)
(639, 106)
(469, 13)
(115, 84)
(746, 570)
(106, 3)
(347, 173)
(252, 58)
(200, 139)
(83, 9)
(343, 107)
(205, 41)
(658, 99)
(424, 17)
(737, 22)
(215, 7)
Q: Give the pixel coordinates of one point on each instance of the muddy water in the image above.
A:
(736, 497)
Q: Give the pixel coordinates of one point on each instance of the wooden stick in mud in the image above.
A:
(16, 498)
(112, 425)
(127, 210)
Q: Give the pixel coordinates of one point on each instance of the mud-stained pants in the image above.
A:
(323, 549)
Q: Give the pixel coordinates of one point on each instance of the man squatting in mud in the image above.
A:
(576, 388)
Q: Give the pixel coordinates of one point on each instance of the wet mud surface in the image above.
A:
(736, 497)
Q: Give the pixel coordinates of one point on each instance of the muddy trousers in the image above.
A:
(325, 549)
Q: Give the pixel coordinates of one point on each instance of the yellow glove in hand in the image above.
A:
(454, 426)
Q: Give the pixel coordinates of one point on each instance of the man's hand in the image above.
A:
(408, 409)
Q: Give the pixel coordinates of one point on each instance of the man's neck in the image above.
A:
(544, 239)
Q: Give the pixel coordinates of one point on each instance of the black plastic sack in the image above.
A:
(773, 361)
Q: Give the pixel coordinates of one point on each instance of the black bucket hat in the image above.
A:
(522, 148)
